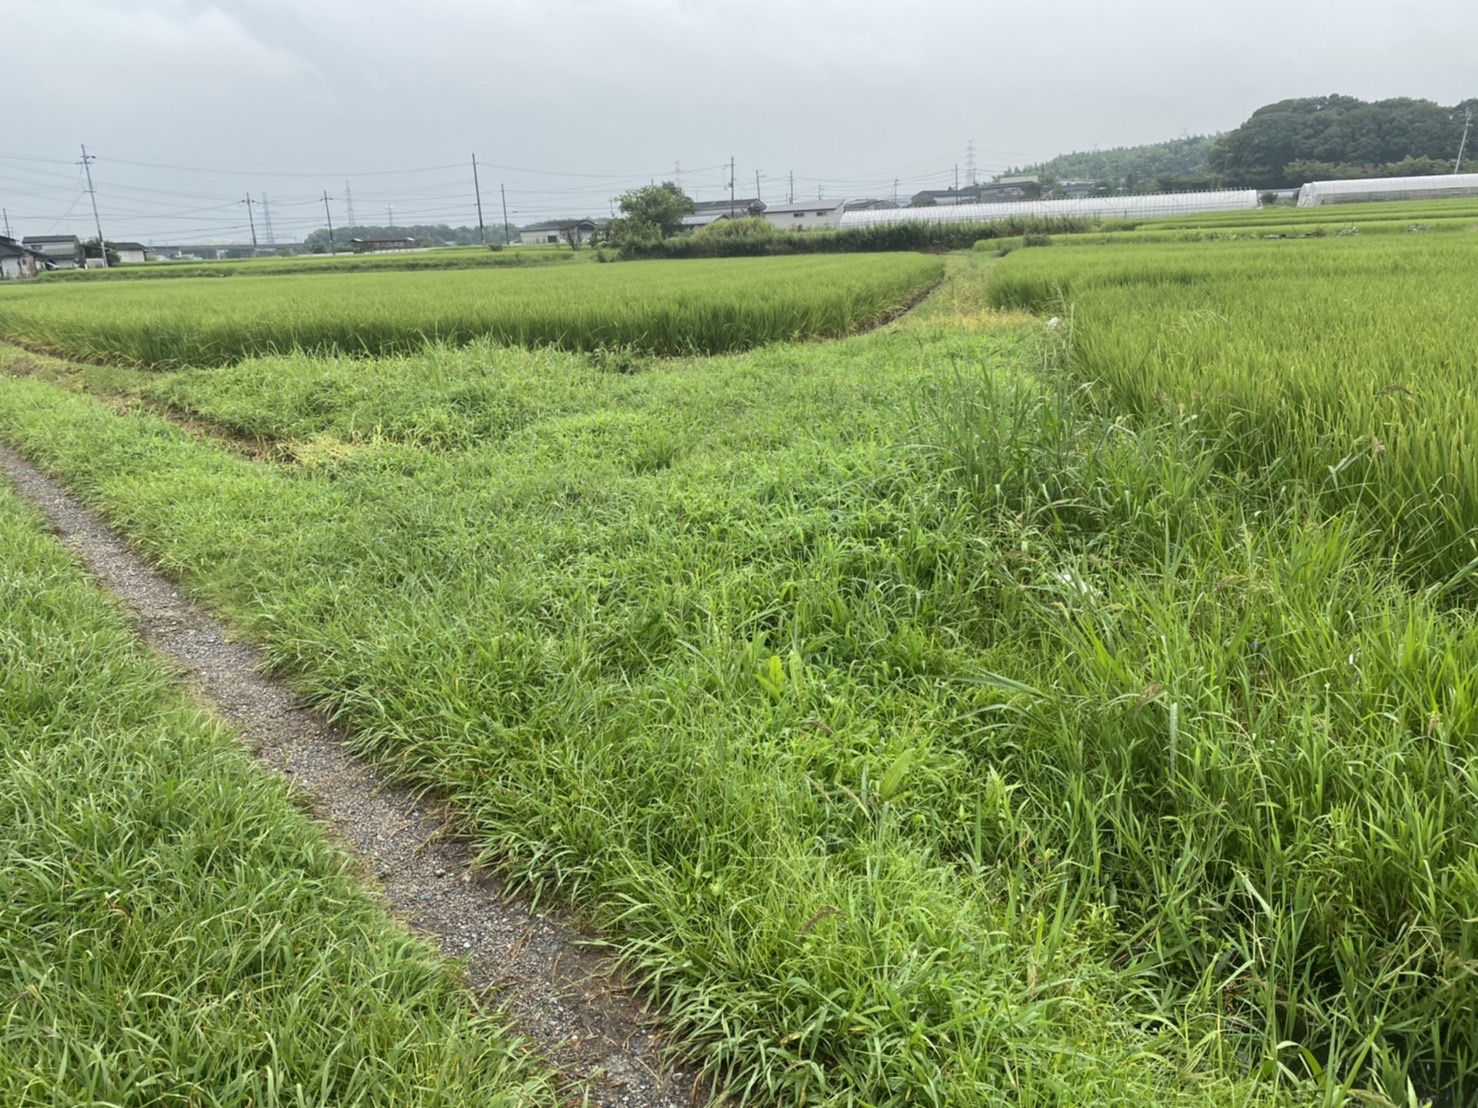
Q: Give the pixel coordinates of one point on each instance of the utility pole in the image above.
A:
(757, 195)
(349, 204)
(6, 215)
(1463, 146)
(957, 176)
(390, 216)
(970, 163)
(895, 190)
(252, 220)
(482, 231)
(87, 160)
(332, 249)
(790, 195)
(731, 186)
(677, 173)
(267, 231)
(507, 237)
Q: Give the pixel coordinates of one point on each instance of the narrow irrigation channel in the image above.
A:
(559, 994)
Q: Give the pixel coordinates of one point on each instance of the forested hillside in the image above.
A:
(1131, 167)
(1286, 144)
(1283, 145)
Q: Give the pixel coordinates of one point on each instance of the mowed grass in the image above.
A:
(704, 307)
(924, 724)
(173, 930)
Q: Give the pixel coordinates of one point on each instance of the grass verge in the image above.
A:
(172, 929)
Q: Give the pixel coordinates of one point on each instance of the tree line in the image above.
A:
(1285, 145)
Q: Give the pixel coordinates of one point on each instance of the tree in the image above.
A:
(1280, 143)
(571, 235)
(652, 211)
(90, 250)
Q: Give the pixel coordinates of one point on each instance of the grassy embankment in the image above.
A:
(926, 723)
(173, 930)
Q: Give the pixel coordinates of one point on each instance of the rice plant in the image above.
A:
(704, 307)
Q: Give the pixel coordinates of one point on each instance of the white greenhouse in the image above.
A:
(1448, 186)
(1094, 207)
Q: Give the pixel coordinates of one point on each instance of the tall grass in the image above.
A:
(696, 649)
(173, 930)
(1233, 724)
(926, 719)
(652, 308)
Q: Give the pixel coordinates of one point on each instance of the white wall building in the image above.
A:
(553, 231)
(817, 215)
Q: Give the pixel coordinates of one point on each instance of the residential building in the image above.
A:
(808, 216)
(60, 251)
(17, 261)
(556, 231)
(132, 253)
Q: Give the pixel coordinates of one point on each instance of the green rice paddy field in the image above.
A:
(973, 711)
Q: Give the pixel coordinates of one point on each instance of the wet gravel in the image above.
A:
(536, 966)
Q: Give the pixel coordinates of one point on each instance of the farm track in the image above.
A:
(559, 993)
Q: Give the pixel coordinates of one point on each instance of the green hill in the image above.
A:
(1131, 167)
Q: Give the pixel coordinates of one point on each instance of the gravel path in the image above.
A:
(559, 994)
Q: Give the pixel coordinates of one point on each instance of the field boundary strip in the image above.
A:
(538, 967)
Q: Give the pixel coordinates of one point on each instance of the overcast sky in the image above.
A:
(191, 105)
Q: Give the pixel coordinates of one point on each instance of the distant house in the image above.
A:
(703, 219)
(380, 246)
(739, 207)
(17, 261)
(213, 251)
(810, 216)
(931, 198)
(1077, 189)
(866, 205)
(1025, 187)
(60, 251)
(132, 253)
(556, 231)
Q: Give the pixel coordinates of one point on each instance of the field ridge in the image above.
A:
(560, 993)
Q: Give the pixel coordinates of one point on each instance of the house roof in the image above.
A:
(806, 206)
(739, 203)
(559, 224)
(130, 246)
(43, 240)
(970, 191)
(703, 219)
